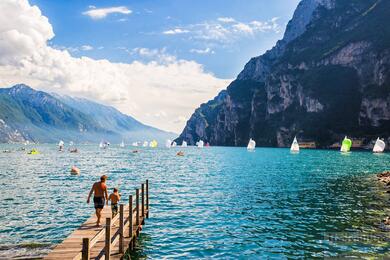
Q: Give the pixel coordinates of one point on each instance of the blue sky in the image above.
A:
(156, 60)
(116, 35)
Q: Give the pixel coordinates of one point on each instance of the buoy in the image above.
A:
(74, 170)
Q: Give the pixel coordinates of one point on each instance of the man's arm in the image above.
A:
(90, 193)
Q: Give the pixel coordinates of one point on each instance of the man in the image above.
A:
(100, 196)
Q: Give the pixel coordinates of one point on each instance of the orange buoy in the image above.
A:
(74, 170)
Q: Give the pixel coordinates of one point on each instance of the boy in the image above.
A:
(114, 197)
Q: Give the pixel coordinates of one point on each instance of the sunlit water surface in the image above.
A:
(212, 202)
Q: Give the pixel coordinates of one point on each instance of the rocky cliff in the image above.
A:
(328, 77)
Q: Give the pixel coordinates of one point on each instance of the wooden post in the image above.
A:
(131, 216)
(143, 202)
(85, 253)
(137, 209)
(107, 248)
(147, 198)
(121, 230)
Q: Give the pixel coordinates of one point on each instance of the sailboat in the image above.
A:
(145, 144)
(379, 146)
(153, 144)
(200, 144)
(61, 145)
(104, 144)
(346, 145)
(184, 144)
(251, 145)
(135, 144)
(168, 143)
(122, 144)
(294, 146)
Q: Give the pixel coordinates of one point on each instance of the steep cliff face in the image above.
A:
(328, 77)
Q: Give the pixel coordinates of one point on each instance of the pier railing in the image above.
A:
(112, 241)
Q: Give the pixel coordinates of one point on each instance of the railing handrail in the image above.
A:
(118, 235)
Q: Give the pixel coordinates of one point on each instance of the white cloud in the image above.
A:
(226, 29)
(100, 13)
(181, 119)
(244, 28)
(174, 86)
(202, 51)
(226, 19)
(176, 31)
(86, 48)
(146, 54)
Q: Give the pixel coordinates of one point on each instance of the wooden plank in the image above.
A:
(142, 200)
(147, 198)
(131, 219)
(85, 251)
(121, 228)
(107, 246)
(124, 230)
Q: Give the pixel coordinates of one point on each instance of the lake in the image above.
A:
(215, 202)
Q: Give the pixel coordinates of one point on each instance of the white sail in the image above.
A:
(294, 145)
(174, 144)
(184, 144)
(104, 144)
(168, 143)
(379, 146)
(200, 144)
(251, 145)
(145, 144)
(71, 143)
(122, 144)
(61, 143)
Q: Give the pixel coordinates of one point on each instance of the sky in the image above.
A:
(156, 60)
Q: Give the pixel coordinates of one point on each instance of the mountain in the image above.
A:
(328, 77)
(27, 114)
(110, 118)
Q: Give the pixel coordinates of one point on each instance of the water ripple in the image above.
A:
(211, 203)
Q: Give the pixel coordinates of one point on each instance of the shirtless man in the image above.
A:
(100, 196)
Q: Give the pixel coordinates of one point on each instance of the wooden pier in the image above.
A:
(113, 239)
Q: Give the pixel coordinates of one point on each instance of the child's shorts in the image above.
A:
(114, 209)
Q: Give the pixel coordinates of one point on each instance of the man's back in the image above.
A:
(99, 188)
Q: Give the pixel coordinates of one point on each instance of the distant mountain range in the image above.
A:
(328, 77)
(27, 114)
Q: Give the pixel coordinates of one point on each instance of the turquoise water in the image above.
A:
(213, 202)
